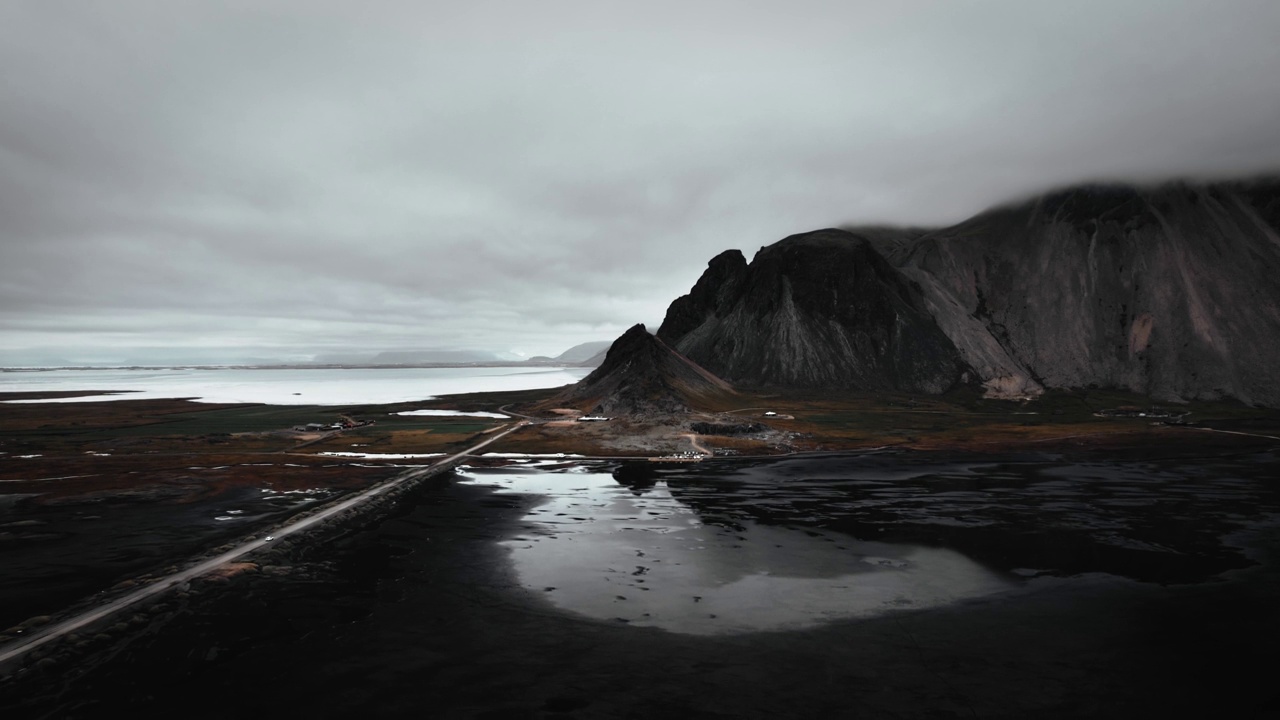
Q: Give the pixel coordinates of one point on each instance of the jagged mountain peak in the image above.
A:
(816, 309)
(1170, 290)
(641, 375)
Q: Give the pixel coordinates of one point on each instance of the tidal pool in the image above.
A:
(638, 555)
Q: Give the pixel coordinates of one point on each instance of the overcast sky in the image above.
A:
(220, 180)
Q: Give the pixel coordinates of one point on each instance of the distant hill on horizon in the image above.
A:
(584, 351)
(408, 357)
(588, 354)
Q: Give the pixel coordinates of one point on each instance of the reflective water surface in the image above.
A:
(638, 555)
(919, 585)
(285, 386)
(739, 546)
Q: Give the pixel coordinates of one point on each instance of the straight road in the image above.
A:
(57, 630)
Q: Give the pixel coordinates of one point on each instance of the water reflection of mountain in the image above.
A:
(1149, 521)
(639, 476)
(620, 547)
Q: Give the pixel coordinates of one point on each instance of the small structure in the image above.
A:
(593, 418)
(1133, 411)
(684, 457)
(770, 413)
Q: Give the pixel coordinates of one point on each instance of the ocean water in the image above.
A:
(287, 386)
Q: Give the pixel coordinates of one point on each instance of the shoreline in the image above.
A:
(185, 462)
(423, 589)
(387, 492)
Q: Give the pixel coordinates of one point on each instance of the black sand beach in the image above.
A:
(1135, 588)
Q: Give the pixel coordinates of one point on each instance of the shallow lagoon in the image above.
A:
(638, 555)
(729, 547)
(1041, 586)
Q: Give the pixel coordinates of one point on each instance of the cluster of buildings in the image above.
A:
(687, 456)
(346, 423)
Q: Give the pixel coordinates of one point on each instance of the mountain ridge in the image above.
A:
(641, 375)
(1167, 290)
(818, 309)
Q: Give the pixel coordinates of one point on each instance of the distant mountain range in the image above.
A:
(408, 357)
(589, 354)
(1171, 291)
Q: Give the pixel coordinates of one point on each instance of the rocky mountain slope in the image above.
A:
(1172, 291)
(640, 375)
(822, 309)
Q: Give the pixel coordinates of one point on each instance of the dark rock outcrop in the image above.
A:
(720, 284)
(640, 375)
(822, 309)
(1171, 291)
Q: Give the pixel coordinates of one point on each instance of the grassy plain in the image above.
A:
(962, 420)
(71, 438)
(94, 493)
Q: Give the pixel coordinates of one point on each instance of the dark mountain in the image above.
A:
(822, 309)
(640, 375)
(1172, 291)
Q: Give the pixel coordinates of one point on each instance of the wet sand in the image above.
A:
(61, 544)
(1121, 589)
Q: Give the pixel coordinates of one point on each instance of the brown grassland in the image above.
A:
(100, 493)
(116, 444)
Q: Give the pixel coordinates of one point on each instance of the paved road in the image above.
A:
(1233, 432)
(57, 630)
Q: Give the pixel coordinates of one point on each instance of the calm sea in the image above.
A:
(289, 386)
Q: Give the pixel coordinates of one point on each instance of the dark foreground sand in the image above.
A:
(422, 615)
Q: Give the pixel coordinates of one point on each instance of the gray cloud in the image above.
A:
(298, 177)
